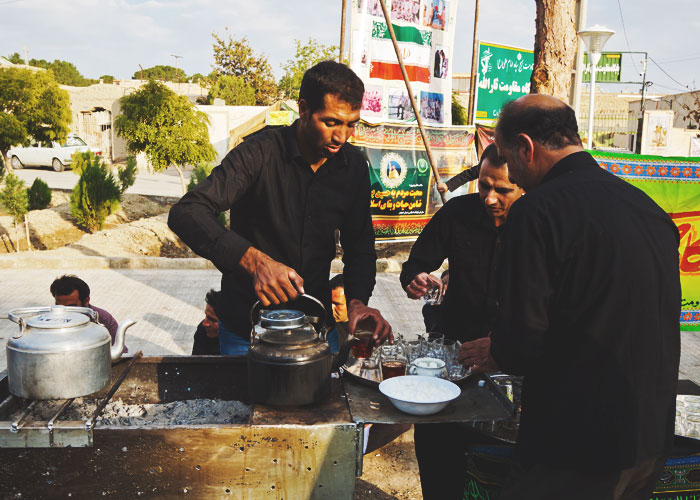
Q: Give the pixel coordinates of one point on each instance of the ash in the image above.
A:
(118, 413)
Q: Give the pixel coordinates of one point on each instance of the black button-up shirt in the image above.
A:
(462, 232)
(589, 313)
(282, 208)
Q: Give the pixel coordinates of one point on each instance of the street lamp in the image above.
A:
(594, 39)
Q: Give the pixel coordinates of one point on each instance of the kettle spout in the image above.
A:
(341, 356)
(118, 347)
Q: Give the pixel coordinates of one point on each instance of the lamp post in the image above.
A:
(594, 39)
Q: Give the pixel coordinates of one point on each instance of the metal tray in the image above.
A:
(357, 371)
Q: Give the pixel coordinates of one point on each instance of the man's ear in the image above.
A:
(526, 148)
(303, 109)
(86, 302)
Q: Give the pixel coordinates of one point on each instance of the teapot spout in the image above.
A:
(118, 347)
(341, 356)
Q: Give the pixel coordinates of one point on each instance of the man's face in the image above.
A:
(72, 300)
(340, 308)
(211, 321)
(325, 130)
(496, 191)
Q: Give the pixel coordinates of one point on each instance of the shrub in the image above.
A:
(39, 195)
(95, 196)
(13, 197)
(199, 173)
(127, 174)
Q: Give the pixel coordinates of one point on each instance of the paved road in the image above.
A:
(168, 304)
(166, 183)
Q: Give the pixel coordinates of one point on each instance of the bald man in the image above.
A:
(589, 308)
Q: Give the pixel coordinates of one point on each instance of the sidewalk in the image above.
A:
(166, 303)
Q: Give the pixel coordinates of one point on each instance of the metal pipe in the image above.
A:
(593, 58)
(575, 98)
(416, 111)
(472, 77)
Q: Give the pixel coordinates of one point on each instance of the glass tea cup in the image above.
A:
(362, 349)
(392, 361)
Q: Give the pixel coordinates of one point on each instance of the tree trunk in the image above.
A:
(17, 235)
(555, 48)
(182, 178)
(6, 161)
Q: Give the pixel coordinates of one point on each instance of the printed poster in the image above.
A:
(424, 31)
(656, 133)
(403, 195)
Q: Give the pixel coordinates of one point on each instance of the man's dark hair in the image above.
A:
(554, 127)
(67, 284)
(491, 154)
(337, 281)
(330, 77)
(213, 297)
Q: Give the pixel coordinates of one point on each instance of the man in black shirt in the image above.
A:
(589, 309)
(288, 190)
(466, 231)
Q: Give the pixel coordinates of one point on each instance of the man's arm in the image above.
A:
(460, 179)
(525, 293)
(360, 264)
(427, 254)
(194, 219)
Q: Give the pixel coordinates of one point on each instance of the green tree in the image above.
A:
(96, 195)
(65, 72)
(237, 58)
(164, 73)
(39, 195)
(233, 90)
(32, 105)
(107, 79)
(306, 56)
(127, 174)
(15, 58)
(13, 197)
(165, 126)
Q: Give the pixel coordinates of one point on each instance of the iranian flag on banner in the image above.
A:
(414, 45)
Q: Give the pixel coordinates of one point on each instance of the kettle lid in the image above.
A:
(58, 317)
(282, 319)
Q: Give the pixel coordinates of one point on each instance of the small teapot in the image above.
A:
(429, 367)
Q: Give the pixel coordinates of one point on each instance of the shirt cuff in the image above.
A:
(229, 250)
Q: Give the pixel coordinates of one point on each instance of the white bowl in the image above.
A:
(419, 395)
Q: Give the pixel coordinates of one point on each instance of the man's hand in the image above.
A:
(477, 356)
(370, 319)
(421, 284)
(274, 283)
(442, 187)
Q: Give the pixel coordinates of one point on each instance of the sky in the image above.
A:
(112, 37)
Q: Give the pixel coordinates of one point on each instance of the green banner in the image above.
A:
(503, 75)
(608, 68)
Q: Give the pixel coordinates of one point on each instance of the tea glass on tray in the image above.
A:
(392, 361)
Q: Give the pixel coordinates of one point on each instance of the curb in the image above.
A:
(30, 260)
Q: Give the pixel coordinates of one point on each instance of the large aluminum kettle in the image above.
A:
(60, 352)
(290, 361)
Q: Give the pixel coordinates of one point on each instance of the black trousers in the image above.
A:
(442, 460)
(543, 482)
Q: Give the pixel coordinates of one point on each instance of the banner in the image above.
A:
(424, 31)
(674, 184)
(608, 68)
(403, 196)
(503, 75)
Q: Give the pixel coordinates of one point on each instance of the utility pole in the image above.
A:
(475, 57)
(26, 55)
(176, 72)
(342, 33)
(640, 122)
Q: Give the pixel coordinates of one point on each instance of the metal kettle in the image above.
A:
(60, 352)
(290, 361)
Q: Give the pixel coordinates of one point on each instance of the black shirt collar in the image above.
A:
(567, 165)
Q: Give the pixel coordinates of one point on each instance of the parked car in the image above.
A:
(50, 154)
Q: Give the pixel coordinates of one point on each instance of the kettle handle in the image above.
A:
(316, 321)
(16, 315)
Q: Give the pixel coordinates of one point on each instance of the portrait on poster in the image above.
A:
(657, 133)
(406, 10)
(372, 100)
(440, 62)
(432, 107)
(435, 14)
(399, 107)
